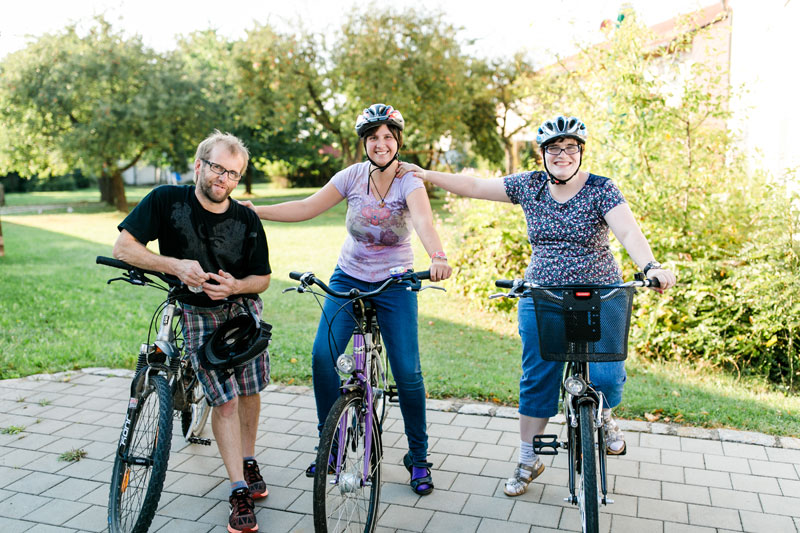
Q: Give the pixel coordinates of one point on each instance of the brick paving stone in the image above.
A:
(439, 417)
(447, 523)
(702, 515)
(489, 525)
(642, 455)
(95, 518)
(536, 514)
(187, 507)
(571, 520)
(494, 452)
(695, 476)
(679, 492)
(401, 494)
(193, 484)
(503, 424)
(637, 487)
(87, 469)
(661, 472)
(442, 500)
(74, 489)
(489, 507)
(185, 526)
(727, 464)
(772, 469)
(664, 442)
(467, 465)
(673, 527)
(627, 524)
(766, 523)
(790, 488)
(43, 528)
(783, 455)
(20, 458)
(750, 483)
(479, 422)
(748, 451)
(407, 518)
(474, 484)
(481, 435)
(445, 430)
(36, 483)
(680, 458)
(735, 499)
(783, 505)
(452, 446)
(10, 475)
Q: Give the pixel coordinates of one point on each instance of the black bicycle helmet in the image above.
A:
(561, 127)
(236, 342)
(377, 114)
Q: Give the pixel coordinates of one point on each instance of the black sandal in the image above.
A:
(421, 485)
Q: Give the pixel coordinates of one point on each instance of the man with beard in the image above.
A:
(218, 248)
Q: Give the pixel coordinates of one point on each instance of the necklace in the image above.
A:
(382, 203)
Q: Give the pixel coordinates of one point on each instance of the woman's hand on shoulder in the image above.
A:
(404, 168)
(440, 270)
(666, 278)
(247, 203)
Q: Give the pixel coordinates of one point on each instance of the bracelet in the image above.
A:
(439, 255)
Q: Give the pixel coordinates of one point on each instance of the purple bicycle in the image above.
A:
(347, 480)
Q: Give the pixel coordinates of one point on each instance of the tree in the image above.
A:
(100, 102)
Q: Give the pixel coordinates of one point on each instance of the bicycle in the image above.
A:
(347, 479)
(164, 382)
(579, 324)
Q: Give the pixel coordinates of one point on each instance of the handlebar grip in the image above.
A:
(116, 263)
(424, 275)
(504, 283)
(295, 275)
(654, 282)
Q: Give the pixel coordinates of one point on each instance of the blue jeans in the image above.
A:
(540, 383)
(397, 318)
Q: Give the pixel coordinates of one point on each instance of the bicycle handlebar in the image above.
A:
(517, 287)
(308, 278)
(136, 275)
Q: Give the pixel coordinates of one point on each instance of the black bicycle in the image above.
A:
(164, 383)
(579, 324)
(347, 479)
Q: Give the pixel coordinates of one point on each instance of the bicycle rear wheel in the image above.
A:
(141, 465)
(587, 475)
(343, 501)
(193, 420)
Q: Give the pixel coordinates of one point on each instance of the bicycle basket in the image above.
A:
(583, 323)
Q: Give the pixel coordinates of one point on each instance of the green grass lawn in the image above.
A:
(58, 313)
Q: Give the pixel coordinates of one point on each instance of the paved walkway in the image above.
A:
(672, 479)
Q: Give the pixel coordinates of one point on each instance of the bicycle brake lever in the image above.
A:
(497, 295)
(289, 289)
(433, 287)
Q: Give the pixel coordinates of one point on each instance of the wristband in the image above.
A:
(438, 255)
(651, 265)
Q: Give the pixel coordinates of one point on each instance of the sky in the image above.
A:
(541, 28)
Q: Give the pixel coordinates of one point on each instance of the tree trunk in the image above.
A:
(118, 191)
(104, 184)
(512, 155)
(248, 179)
(2, 246)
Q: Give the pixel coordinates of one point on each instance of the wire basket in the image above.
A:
(583, 323)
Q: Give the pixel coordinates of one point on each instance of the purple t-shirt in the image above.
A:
(569, 241)
(379, 238)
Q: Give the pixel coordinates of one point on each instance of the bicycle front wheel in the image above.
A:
(141, 464)
(587, 476)
(346, 494)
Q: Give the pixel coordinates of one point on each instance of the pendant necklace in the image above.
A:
(382, 203)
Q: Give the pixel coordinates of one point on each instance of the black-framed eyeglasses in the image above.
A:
(219, 170)
(570, 149)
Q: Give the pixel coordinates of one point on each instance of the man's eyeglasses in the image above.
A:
(219, 170)
(571, 149)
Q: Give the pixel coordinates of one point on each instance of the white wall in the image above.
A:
(765, 57)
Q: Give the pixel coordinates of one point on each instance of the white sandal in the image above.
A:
(523, 475)
(615, 438)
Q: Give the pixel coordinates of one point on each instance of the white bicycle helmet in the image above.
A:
(561, 127)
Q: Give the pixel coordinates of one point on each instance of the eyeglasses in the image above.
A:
(570, 149)
(219, 170)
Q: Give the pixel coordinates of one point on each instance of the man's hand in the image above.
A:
(227, 285)
(191, 273)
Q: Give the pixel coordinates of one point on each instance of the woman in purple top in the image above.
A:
(382, 207)
(568, 213)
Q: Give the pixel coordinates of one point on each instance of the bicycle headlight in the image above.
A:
(346, 364)
(575, 385)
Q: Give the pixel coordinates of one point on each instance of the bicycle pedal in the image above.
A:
(546, 444)
(392, 395)
(199, 440)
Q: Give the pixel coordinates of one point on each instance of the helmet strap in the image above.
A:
(557, 181)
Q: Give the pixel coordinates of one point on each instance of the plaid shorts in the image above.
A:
(198, 324)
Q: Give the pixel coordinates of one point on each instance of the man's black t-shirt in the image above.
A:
(233, 241)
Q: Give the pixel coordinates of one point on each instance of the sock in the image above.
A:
(526, 454)
(249, 458)
(238, 485)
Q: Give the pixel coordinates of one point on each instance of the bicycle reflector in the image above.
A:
(575, 385)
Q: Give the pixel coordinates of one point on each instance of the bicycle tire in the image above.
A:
(380, 378)
(341, 503)
(136, 489)
(587, 475)
(194, 419)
